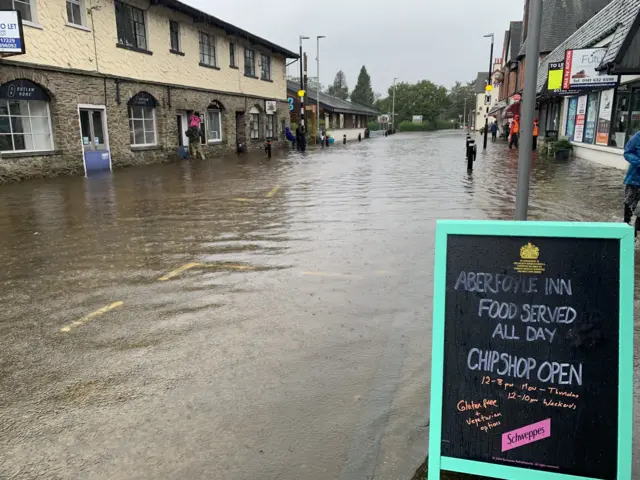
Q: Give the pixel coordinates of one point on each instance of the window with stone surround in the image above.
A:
(232, 55)
(174, 34)
(249, 63)
(214, 125)
(270, 125)
(75, 12)
(25, 7)
(130, 23)
(265, 67)
(207, 50)
(25, 125)
(254, 123)
(142, 123)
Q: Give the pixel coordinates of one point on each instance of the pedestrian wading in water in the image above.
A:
(632, 181)
(193, 134)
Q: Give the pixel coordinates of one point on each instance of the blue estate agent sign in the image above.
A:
(11, 35)
(532, 350)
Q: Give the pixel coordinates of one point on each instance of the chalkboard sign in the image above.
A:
(532, 350)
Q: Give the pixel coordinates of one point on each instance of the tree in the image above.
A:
(423, 98)
(457, 96)
(363, 93)
(312, 83)
(339, 88)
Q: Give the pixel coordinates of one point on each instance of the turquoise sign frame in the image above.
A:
(607, 231)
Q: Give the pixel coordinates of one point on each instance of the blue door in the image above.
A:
(94, 141)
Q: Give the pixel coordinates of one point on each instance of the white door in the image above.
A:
(182, 118)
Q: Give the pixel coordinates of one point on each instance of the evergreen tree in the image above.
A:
(363, 93)
(339, 88)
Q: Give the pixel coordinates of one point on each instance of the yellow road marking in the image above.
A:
(327, 274)
(91, 316)
(178, 271)
(242, 200)
(273, 191)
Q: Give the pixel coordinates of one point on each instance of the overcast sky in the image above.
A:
(410, 39)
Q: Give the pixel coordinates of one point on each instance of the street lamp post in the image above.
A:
(393, 108)
(486, 118)
(318, 83)
(528, 109)
(464, 122)
(302, 89)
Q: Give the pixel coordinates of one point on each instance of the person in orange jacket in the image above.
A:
(536, 131)
(515, 132)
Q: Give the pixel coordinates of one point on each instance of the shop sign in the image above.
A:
(554, 80)
(580, 118)
(528, 348)
(604, 117)
(143, 99)
(580, 70)
(11, 35)
(270, 106)
(23, 90)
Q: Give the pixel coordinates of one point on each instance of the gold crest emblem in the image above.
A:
(529, 263)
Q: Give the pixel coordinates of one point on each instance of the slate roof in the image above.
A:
(516, 38)
(333, 103)
(480, 82)
(200, 16)
(617, 17)
(561, 19)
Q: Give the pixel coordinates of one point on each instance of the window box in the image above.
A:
(134, 49)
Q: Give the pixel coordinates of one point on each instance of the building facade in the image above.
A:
(112, 83)
(335, 113)
(599, 117)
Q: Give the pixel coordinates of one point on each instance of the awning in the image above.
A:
(497, 107)
(512, 110)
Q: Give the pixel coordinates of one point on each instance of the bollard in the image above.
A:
(344, 139)
(326, 139)
(386, 133)
(471, 154)
(267, 148)
(359, 137)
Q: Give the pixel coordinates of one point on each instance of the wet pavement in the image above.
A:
(235, 319)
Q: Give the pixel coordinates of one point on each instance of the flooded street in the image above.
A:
(234, 319)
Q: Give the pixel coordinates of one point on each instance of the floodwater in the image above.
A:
(237, 319)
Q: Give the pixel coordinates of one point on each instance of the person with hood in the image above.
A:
(515, 131)
(494, 131)
(536, 132)
(632, 181)
(290, 137)
(193, 134)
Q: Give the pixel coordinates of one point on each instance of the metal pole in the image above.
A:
(318, 81)
(302, 140)
(486, 119)
(528, 108)
(393, 108)
(465, 114)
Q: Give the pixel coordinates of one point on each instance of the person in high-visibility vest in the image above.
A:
(536, 131)
(515, 131)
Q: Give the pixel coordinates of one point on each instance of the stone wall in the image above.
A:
(68, 90)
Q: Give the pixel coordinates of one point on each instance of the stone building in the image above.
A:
(110, 83)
